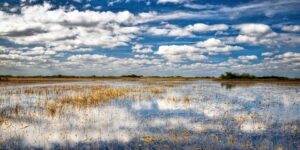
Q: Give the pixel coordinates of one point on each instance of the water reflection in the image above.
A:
(233, 84)
(201, 114)
(228, 86)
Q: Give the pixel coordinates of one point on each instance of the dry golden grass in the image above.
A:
(55, 98)
(100, 95)
(2, 118)
(96, 97)
(164, 83)
(51, 108)
(157, 90)
(9, 113)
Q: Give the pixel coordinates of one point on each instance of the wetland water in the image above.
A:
(198, 114)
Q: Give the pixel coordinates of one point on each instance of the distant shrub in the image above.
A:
(132, 76)
(230, 75)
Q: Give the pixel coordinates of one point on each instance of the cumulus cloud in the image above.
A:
(170, 30)
(59, 37)
(267, 54)
(61, 28)
(288, 61)
(177, 15)
(200, 27)
(178, 53)
(291, 28)
(213, 46)
(289, 56)
(255, 34)
(87, 57)
(262, 34)
(24, 57)
(247, 58)
(187, 31)
(138, 48)
(93, 60)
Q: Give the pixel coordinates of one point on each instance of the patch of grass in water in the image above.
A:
(100, 95)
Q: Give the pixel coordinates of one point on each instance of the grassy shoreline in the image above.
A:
(15, 80)
(80, 78)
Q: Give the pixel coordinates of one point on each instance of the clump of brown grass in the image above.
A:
(2, 118)
(157, 90)
(100, 95)
(94, 98)
(186, 99)
(51, 108)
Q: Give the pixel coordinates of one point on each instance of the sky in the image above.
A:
(150, 37)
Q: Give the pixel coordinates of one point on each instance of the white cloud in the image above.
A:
(68, 28)
(143, 56)
(288, 61)
(138, 48)
(50, 34)
(200, 27)
(92, 61)
(153, 16)
(200, 7)
(158, 31)
(262, 34)
(267, 54)
(170, 30)
(246, 58)
(291, 28)
(187, 31)
(213, 45)
(254, 29)
(176, 49)
(179, 53)
(267, 8)
(98, 7)
(290, 56)
(170, 1)
(87, 57)
(256, 34)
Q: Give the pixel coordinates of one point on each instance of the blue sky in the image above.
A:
(150, 37)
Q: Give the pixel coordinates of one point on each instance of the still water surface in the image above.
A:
(201, 114)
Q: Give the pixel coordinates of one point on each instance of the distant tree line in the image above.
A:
(132, 76)
(230, 75)
(225, 76)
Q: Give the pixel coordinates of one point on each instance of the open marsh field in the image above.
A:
(149, 114)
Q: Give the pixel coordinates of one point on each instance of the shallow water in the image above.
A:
(201, 114)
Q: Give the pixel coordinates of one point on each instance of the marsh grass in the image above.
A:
(52, 90)
(165, 83)
(64, 101)
(10, 113)
(84, 100)
(2, 118)
(180, 99)
(96, 96)
(157, 90)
